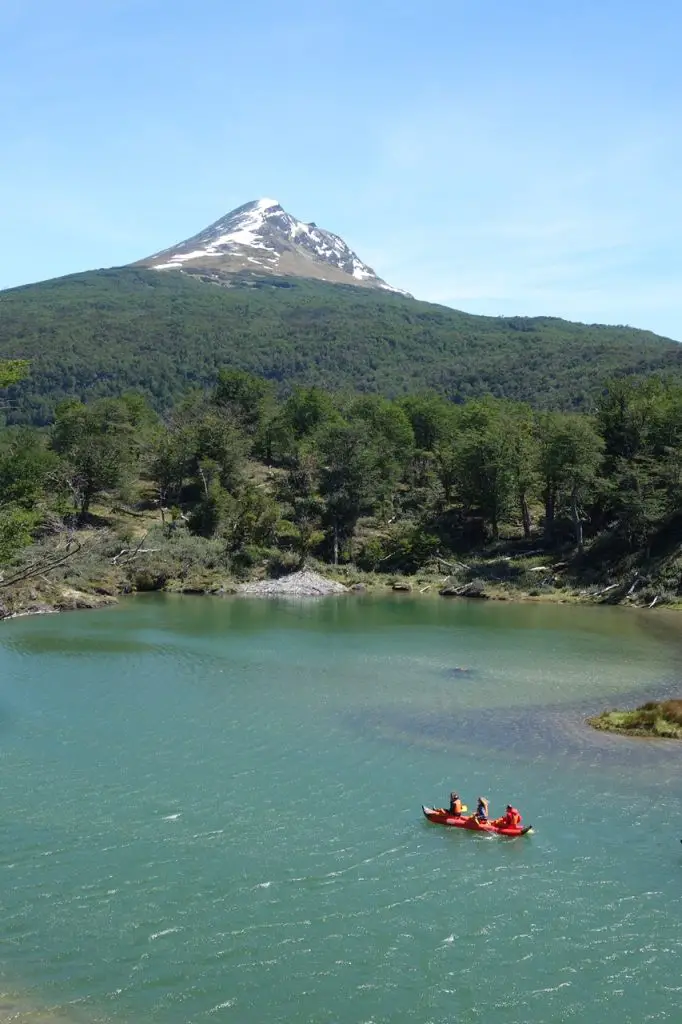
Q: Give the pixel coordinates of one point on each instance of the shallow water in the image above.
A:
(211, 811)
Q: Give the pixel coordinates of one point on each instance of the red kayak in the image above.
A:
(439, 816)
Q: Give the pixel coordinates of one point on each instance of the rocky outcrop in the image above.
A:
(304, 583)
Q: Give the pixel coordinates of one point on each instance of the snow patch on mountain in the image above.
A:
(262, 233)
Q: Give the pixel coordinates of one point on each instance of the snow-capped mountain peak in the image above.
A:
(261, 237)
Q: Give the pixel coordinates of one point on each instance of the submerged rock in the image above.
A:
(304, 583)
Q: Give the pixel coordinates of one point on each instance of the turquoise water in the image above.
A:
(210, 811)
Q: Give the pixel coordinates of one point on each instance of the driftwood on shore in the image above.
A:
(474, 589)
(304, 583)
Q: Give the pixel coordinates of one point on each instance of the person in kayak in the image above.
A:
(482, 810)
(456, 806)
(511, 819)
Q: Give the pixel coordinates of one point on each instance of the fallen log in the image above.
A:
(611, 586)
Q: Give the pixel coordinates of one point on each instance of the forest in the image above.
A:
(238, 481)
(98, 334)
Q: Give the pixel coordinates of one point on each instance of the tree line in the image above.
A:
(386, 484)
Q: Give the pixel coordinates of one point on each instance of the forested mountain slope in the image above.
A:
(102, 332)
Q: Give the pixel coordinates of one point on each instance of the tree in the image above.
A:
(485, 478)
(523, 457)
(98, 447)
(12, 371)
(350, 479)
(386, 420)
(306, 410)
(390, 433)
(171, 459)
(198, 445)
(304, 413)
(570, 456)
(17, 526)
(447, 464)
(212, 509)
(140, 414)
(251, 519)
(298, 490)
(249, 400)
(219, 439)
(629, 412)
(639, 497)
(27, 469)
(430, 417)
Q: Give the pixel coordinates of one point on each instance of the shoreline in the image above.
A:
(112, 557)
(48, 600)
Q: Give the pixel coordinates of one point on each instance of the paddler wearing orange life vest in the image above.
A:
(512, 819)
(456, 806)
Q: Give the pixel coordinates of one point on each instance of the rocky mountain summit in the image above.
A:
(262, 238)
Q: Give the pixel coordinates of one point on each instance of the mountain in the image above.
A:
(105, 331)
(262, 238)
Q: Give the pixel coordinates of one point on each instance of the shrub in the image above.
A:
(405, 548)
(281, 563)
(672, 709)
(145, 580)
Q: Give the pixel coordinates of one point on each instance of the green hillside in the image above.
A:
(98, 333)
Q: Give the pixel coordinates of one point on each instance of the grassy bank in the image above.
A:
(662, 719)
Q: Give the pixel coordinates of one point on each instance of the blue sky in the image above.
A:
(499, 156)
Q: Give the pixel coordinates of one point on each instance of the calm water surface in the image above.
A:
(210, 811)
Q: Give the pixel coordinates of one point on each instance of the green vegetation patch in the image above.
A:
(663, 719)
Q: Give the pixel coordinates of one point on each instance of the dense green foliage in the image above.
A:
(12, 371)
(98, 334)
(386, 484)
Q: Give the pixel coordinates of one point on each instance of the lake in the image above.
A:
(211, 812)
